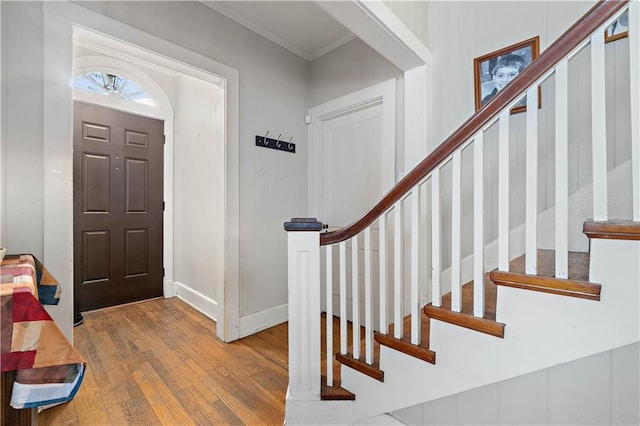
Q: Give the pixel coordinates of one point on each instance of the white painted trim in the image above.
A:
(251, 324)
(598, 128)
(229, 273)
(377, 26)
(197, 300)
(379, 94)
(303, 271)
(390, 22)
(57, 166)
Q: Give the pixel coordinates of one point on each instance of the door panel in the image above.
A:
(96, 253)
(96, 182)
(118, 159)
(352, 160)
(136, 185)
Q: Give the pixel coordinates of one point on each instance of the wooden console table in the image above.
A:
(34, 352)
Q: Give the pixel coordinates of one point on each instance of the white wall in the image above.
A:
(414, 14)
(461, 31)
(599, 389)
(198, 186)
(22, 126)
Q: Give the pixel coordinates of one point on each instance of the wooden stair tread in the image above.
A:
(578, 265)
(372, 371)
(335, 392)
(577, 285)
(404, 345)
(483, 325)
(612, 229)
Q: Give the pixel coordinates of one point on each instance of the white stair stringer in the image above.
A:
(542, 330)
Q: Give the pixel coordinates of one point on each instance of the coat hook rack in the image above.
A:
(280, 145)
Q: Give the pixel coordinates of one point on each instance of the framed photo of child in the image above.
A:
(619, 29)
(495, 70)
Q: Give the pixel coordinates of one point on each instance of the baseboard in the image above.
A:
(262, 320)
(168, 288)
(199, 301)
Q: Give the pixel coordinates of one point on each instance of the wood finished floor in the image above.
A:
(159, 363)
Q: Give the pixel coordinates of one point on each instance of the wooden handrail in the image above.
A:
(595, 17)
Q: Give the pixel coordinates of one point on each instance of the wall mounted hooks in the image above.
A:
(266, 142)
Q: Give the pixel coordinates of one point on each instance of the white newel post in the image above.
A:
(304, 308)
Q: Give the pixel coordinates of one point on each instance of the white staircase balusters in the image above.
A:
(562, 173)
(382, 231)
(368, 298)
(598, 127)
(478, 224)
(436, 262)
(634, 65)
(329, 312)
(531, 182)
(503, 190)
(416, 313)
(343, 297)
(355, 298)
(456, 200)
(398, 310)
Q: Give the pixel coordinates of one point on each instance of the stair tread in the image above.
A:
(578, 265)
(335, 392)
(420, 351)
(612, 229)
(578, 270)
(371, 370)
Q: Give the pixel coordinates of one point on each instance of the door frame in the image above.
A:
(379, 94)
(61, 21)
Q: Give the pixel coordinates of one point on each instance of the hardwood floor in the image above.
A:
(159, 363)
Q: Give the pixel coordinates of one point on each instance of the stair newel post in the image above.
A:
(304, 308)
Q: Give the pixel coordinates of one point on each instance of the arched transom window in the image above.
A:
(108, 84)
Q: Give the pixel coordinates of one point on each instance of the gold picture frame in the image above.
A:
(619, 29)
(511, 59)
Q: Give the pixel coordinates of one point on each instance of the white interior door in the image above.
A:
(352, 160)
(352, 153)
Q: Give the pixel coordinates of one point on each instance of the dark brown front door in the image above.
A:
(117, 197)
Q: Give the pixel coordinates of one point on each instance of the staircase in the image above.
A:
(441, 288)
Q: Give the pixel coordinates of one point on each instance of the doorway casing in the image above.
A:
(61, 22)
